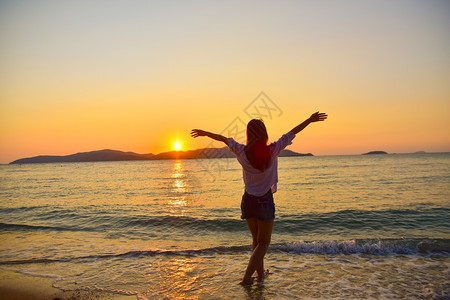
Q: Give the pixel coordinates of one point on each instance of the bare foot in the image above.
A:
(246, 282)
(266, 272)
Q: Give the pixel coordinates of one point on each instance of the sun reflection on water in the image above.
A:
(178, 187)
(178, 278)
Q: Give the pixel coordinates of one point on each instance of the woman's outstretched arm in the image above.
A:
(198, 132)
(315, 117)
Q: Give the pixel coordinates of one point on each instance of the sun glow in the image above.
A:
(177, 146)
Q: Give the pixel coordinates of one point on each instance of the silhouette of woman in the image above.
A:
(260, 175)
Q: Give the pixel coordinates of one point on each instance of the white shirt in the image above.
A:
(256, 182)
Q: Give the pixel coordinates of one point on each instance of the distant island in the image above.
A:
(375, 152)
(115, 155)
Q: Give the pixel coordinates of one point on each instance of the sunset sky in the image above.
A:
(137, 76)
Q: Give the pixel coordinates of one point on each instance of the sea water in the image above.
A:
(374, 226)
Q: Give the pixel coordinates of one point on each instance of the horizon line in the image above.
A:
(183, 151)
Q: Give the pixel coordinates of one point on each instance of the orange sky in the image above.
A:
(138, 75)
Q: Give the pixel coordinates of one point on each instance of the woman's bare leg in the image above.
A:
(253, 226)
(263, 232)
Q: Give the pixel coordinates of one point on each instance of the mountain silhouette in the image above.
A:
(115, 155)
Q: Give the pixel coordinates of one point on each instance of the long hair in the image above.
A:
(257, 150)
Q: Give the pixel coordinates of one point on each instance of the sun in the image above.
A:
(177, 146)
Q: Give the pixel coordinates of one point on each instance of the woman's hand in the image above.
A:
(317, 117)
(197, 132)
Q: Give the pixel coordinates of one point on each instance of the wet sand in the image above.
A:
(15, 286)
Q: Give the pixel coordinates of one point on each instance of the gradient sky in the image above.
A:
(138, 75)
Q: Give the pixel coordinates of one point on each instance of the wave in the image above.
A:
(380, 247)
(369, 246)
(428, 219)
(25, 227)
(367, 219)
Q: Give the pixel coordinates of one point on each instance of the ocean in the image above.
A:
(346, 227)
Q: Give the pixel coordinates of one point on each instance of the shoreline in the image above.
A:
(15, 286)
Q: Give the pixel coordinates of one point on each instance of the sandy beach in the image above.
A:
(15, 286)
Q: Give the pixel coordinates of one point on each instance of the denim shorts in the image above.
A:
(261, 208)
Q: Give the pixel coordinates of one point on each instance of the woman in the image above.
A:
(260, 174)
